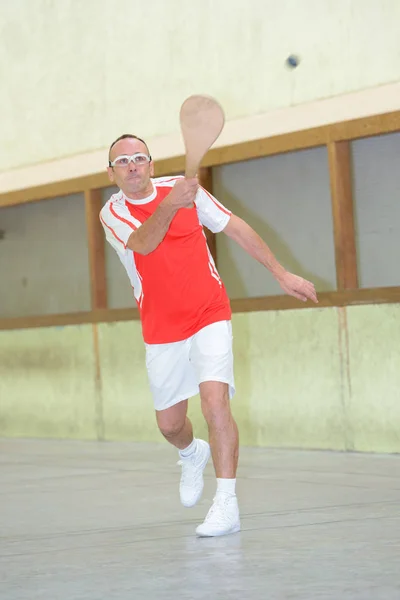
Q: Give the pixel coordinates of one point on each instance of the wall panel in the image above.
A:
(286, 199)
(44, 265)
(377, 209)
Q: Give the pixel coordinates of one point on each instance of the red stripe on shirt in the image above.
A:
(112, 231)
(112, 211)
(222, 209)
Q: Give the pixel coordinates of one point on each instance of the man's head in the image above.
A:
(132, 176)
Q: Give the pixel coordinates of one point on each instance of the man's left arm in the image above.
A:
(239, 231)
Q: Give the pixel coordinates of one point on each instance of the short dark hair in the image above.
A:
(124, 137)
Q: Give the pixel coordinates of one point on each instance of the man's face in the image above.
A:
(133, 179)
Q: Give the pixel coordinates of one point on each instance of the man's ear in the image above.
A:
(110, 172)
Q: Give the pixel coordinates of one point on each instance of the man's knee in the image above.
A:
(170, 428)
(172, 420)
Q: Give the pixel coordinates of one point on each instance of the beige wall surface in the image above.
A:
(47, 383)
(77, 74)
(318, 378)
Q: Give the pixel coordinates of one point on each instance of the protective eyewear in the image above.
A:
(124, 160)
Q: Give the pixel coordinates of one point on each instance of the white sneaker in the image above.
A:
(222, 518)
(192, 482)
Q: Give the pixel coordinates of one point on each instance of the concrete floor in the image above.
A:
(103, 521)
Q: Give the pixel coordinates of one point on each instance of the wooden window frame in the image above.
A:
(335, 137)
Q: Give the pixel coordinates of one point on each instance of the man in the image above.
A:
(156, 227)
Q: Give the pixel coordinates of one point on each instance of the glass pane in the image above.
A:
(286, 199)
(44, 265)
(376, 176)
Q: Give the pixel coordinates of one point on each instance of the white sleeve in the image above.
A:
(118, 225)
(211, 213)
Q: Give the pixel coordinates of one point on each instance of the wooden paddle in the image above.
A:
(202, 120)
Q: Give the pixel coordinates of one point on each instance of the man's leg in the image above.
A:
(222, 428)
(194, 454)
(223, 517)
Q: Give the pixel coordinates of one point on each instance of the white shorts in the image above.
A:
(175, 370)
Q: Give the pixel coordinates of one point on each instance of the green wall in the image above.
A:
(320, 378)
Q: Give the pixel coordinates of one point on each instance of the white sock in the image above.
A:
(226, 486)
(191, 449)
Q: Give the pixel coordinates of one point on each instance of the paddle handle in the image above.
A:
(191, 168)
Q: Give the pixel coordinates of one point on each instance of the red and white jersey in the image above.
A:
(177, 286)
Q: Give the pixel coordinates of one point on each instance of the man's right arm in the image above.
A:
(123, 231)
(148, 236)
(146, 239)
